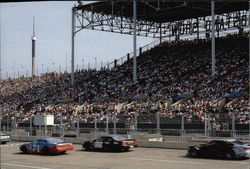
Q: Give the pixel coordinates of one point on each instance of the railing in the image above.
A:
(150, 124)
(151, 45)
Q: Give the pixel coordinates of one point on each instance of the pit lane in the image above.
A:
(137, 158)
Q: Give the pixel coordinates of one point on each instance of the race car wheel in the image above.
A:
(91, 147)
(230, 155)
(24, 149)
(192, 153)
(45, 150)
(105, 148)
(88, 148)
(126, 149)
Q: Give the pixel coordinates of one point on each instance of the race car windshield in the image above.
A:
(54, 140)
(238, 142)
(119, 138)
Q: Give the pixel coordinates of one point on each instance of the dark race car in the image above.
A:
(47, 146)
(228, 149)
(110, 143)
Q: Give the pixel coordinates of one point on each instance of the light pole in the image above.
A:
(22, 73)
(53, 67)
(95, 63)
(42, 68)
(66, 63)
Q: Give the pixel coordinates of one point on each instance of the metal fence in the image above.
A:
(124, 124)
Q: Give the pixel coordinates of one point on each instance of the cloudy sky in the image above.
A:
(53, 32)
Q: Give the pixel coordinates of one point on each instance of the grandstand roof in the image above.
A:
(164, 11)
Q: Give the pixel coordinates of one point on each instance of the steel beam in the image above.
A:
(134, 40)
(73, 48)
(213, 39)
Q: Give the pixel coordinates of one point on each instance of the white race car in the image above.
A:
(4, 138)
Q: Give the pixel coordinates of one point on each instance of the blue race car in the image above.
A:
(47, 146)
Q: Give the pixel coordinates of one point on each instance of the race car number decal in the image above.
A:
(98, 144)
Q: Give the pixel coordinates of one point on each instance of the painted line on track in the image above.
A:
(171, 161)
(25, 166)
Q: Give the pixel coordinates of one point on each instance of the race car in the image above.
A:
(228, 149)
(4, 138)
(47, 146)
(110, 143)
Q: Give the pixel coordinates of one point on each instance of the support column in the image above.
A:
(198, 31)
(0, 44)
(134, 58)
(213, 39)
(248, 68)
(73, 47)
(160, 34)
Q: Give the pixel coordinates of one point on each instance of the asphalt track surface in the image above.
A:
(137, 158)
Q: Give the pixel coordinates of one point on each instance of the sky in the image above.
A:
(53, 32)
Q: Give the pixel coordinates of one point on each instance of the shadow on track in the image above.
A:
(216, 158)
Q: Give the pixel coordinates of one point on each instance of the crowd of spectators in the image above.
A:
(170, 69)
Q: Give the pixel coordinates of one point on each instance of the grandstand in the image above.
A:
(174, 81)
(166, 73)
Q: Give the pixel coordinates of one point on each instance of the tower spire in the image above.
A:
(33, 26)
(33, 38)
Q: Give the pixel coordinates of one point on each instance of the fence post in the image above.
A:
(158, 122)
(233, 126)
(7, 121)
(95, 120)
(15, 123)
(114, 121)
(45, 130)
(1, 120)
(182, 127)
(30, 126)
(61, 125)
(208, 126)
(205, 124)
(40, 130)
(107, 123)
(128, 57)
(77, 126)
(136, 121)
